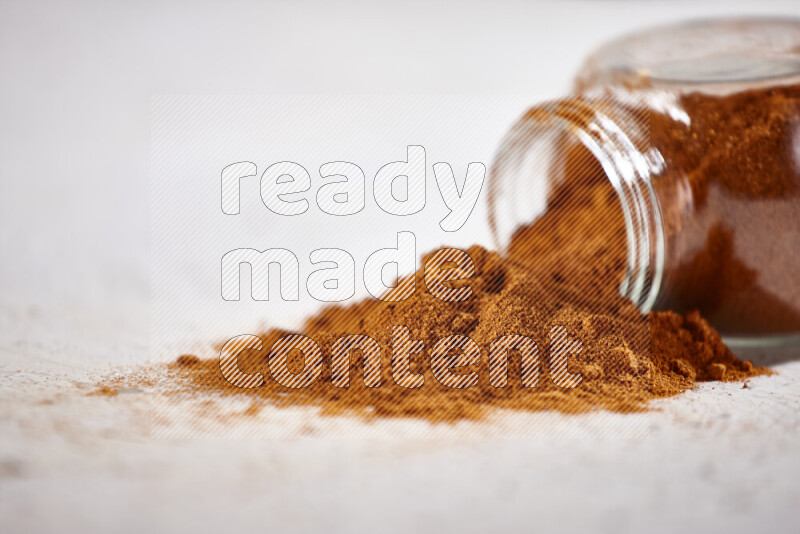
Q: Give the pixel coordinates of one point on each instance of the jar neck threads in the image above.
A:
(618, 139)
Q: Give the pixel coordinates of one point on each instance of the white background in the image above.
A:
(76, 80)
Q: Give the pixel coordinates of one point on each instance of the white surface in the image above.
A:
(719, 459)
(76, 79)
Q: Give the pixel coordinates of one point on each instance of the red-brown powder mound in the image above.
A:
(626, 359)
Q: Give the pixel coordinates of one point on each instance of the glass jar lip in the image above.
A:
(627, 167)
(704, 51)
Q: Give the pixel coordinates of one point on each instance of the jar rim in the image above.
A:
(626, 165)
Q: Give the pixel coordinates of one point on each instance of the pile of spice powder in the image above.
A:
(562, 270)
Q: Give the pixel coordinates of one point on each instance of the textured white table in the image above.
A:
(717, 459)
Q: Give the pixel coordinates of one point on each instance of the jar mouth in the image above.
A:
(625, 164)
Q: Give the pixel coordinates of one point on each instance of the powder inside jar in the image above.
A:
(731, 201)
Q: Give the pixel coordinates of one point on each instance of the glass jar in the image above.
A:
(696, 128)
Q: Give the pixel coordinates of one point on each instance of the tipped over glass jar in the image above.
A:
(696, 129)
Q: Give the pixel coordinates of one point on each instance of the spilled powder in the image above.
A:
(563, 271)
